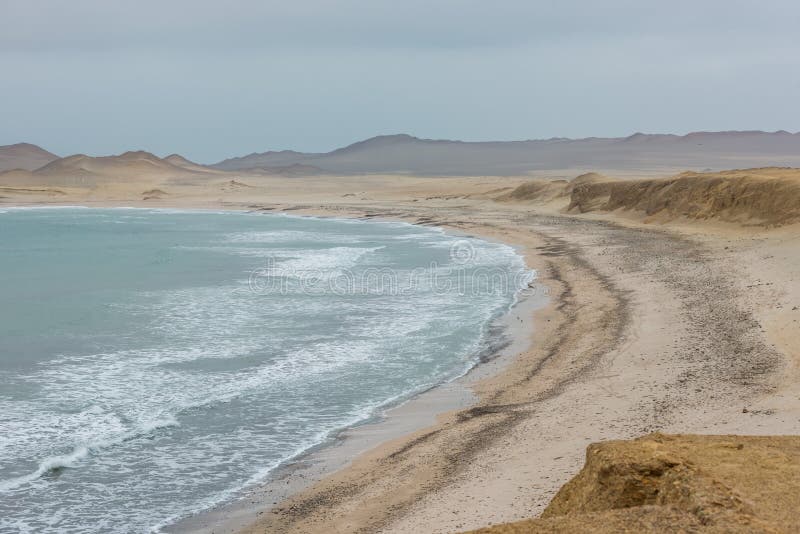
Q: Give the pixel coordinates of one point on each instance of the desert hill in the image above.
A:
(130, 163)
(82, 171)
(24, 156)
(406, 154)
(281, 158)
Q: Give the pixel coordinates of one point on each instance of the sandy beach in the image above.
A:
(652, 324)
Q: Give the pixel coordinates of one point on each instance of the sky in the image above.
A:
(213, 79)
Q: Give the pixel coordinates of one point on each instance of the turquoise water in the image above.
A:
(154, 362)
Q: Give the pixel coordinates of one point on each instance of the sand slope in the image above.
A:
(662, 483)
(765, 197)
(179, 161)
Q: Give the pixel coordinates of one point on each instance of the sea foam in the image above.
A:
(144, 379)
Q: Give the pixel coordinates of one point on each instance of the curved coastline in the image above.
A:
(482, 383)
(407, 413)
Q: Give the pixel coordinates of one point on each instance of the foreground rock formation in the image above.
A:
(678, 483)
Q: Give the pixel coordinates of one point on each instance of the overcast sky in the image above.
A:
(214, 79)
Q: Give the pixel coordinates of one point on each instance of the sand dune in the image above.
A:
(24, 156)
(538, 190)
(762, 197)
(586, 178)
(543, 190)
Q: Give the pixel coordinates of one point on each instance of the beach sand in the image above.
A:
(677, 326)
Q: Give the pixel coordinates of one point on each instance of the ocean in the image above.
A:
(154, 363)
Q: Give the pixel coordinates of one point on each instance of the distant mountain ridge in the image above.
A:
(406, 154)
(403, 153)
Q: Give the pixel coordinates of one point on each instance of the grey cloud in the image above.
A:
(204, 24)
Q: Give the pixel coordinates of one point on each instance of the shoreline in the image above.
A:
(480, 378)
(398, 420)
(419, 411)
